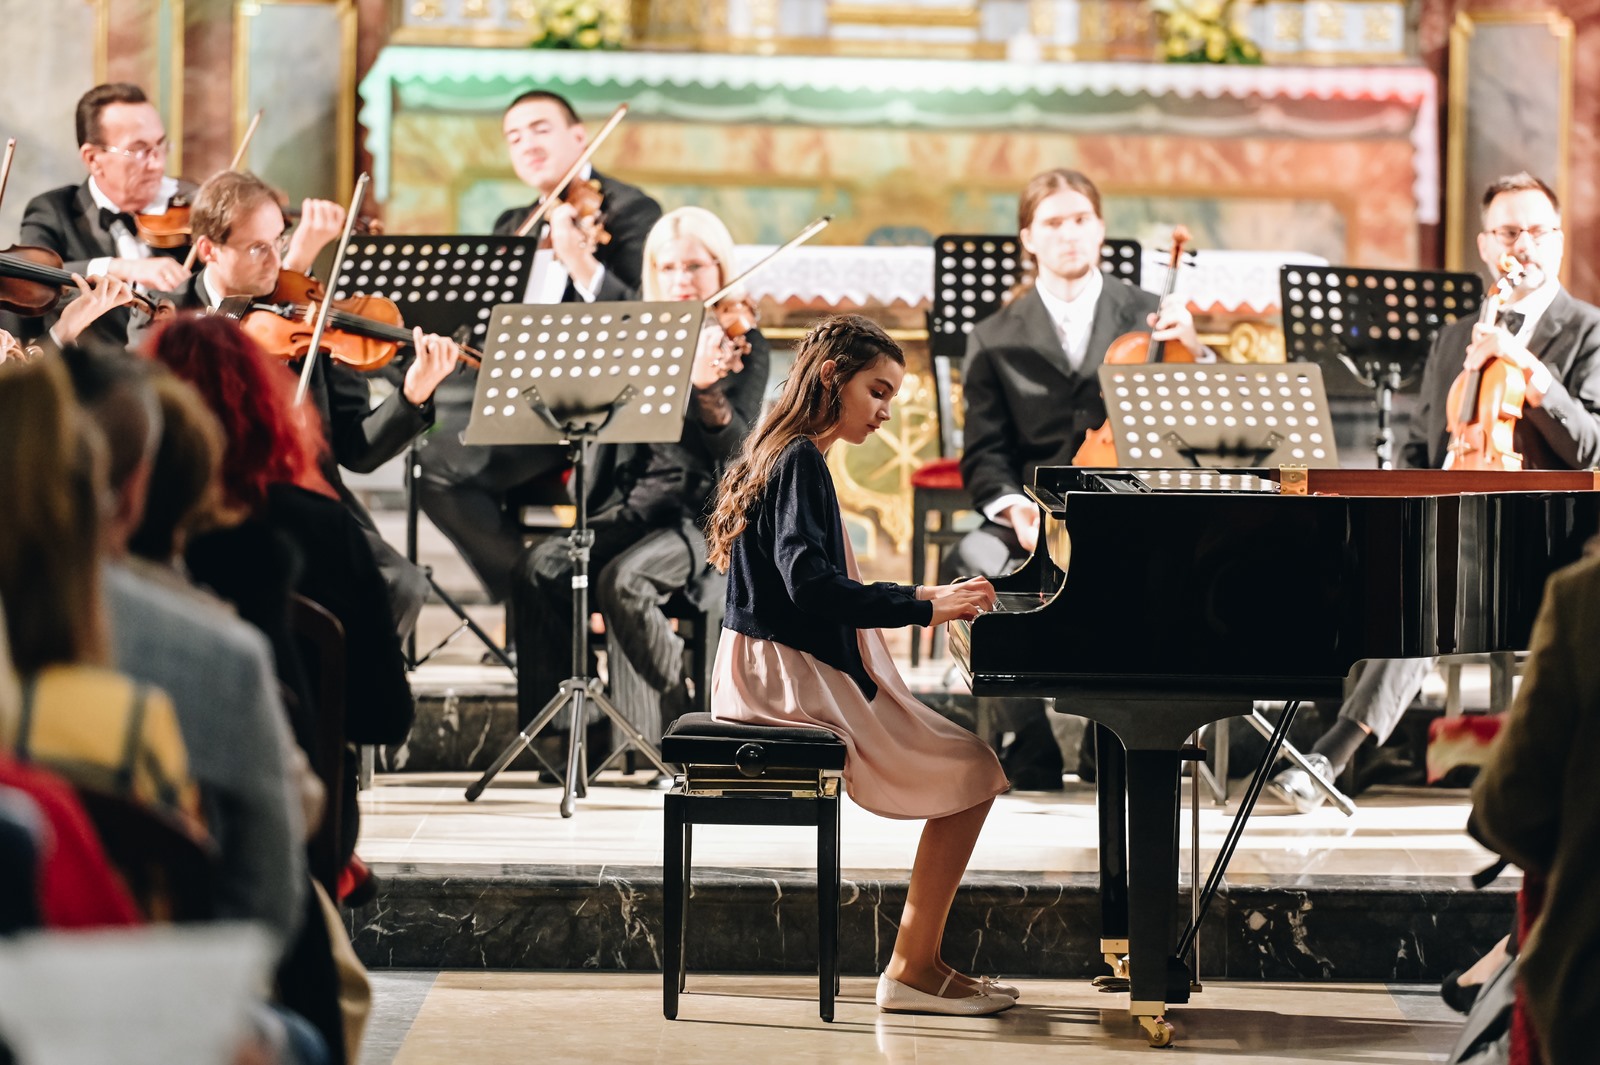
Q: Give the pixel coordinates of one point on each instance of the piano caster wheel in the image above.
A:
(1158, 1030)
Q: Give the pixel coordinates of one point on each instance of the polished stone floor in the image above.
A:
(514, 1018)
(422, 819)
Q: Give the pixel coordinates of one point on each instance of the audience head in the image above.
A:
(1060, 225)
(688, 255)
(544, 135)
(114, 389)
(185, 483)
(1522, 218)
(238, 226)
(53, 479)
(268, 440)
(846, 370)
(122, 144)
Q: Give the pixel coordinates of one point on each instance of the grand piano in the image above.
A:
(1160, 601)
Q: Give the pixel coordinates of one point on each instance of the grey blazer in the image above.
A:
(1563, 433)
(1025, 405)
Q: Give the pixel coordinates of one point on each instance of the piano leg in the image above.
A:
(1155, 976)
(1111, 782)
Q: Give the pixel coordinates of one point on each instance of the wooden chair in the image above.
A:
(321, 640)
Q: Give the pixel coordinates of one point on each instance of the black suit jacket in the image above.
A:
(361, 437)
(1563, 433)
(1025, 405)
(67, 221)
(628, 215)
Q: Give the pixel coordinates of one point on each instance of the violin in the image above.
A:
(32, 283)
(585, 195)
(1485, 404)
(363, 332)
(737, 316)
(1140, 346)
(170, 228)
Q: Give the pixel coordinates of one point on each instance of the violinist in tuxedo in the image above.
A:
(462, 489)
(1554, 340)
(239, 237)
(94, 226)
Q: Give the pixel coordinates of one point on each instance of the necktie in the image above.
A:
(1511, 321)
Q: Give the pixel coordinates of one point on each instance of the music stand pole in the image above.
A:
(579, 689)
(616, 373)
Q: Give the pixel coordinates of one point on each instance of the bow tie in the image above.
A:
(108, 216)
(1511, 321)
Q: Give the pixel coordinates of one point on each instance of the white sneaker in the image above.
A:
(895, 997)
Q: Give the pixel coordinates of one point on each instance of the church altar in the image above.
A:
(1339, 162)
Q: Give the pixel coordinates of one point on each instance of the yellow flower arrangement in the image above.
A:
(577, 23)
(1205, 31)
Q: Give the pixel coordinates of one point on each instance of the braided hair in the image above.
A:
(809, 405)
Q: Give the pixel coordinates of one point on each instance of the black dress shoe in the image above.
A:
(1459, 996)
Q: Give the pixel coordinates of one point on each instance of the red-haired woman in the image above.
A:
(271, 472)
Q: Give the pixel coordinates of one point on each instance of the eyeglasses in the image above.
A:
(1509, 235)
(261, 249)
(140, 155)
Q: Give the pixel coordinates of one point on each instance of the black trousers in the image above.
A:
(462, 489)
(634, 569)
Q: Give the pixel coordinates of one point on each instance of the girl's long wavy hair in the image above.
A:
(269, 440)
(808, 406)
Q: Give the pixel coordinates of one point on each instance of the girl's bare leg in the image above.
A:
(942, 856)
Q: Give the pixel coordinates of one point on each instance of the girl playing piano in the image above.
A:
(800, 645)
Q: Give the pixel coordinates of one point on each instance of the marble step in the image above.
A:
(1302, 927)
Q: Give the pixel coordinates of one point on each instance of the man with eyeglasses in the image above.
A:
(1554, 340)
(239, 238)
(94, 226)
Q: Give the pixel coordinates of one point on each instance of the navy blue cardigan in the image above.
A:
(787, 580)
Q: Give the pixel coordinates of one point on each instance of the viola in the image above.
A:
(32, 283)
(1485, 404)
(363, 332)
(1140, 346)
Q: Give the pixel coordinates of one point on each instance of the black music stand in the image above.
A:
(1371, 330)
(973, 272)
(447, 285)
(578, 374)
(1168, 415)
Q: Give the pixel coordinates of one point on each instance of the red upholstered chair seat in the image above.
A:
(940, 473)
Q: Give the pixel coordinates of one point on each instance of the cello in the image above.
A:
(1485, 403)
(1098, 447)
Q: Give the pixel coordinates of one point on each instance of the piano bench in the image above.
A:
(738, 774)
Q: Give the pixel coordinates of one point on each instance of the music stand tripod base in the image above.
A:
(582, 374)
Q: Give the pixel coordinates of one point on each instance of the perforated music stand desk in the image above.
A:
(1371, 330)
(441, 283)
(1172, 415)
(578, 374)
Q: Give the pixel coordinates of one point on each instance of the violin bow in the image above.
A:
(326, 305)
(799, 238)
(5, 165)
(583, 158)
(238, 157)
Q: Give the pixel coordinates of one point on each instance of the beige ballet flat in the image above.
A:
(895, 997)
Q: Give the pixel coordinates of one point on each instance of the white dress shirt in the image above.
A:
(129, 246)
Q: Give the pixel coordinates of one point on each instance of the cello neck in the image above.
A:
(1180, 237)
